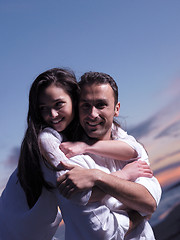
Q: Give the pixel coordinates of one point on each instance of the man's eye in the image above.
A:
(100, 105)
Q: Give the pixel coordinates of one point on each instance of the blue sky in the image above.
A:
(137, 42)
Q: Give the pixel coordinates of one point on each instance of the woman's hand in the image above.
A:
(134, 170)
(71, 149)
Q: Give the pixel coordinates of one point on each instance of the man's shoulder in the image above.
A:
(117, 132)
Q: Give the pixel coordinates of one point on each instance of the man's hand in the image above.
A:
(76, 179)
(134, 170)
(71, 149)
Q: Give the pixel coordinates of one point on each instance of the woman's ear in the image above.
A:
(116, 110)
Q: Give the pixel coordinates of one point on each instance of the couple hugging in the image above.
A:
(76, 157)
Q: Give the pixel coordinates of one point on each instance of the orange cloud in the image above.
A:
(168, 176)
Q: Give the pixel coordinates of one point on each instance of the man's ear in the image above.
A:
(116, 110)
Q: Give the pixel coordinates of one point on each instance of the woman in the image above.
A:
(29, 203)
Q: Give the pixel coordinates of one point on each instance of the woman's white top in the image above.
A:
(18, 222)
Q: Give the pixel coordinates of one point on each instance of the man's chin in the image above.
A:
(94, 134)
(98, 134)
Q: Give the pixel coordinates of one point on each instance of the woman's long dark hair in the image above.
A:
(29, 169)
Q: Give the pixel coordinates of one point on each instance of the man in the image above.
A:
(98, 105)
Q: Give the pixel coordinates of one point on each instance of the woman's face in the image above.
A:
(56, 107)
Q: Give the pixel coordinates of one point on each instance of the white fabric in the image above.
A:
(18, 222)
(151, 184)
(49, 141)
(95, 219)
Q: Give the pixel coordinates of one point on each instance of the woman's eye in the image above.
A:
(59, 104)
(43, 108)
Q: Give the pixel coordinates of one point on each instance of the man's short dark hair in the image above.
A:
(90, 78)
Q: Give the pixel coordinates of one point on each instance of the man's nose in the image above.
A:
(94, 112)
(53, 113)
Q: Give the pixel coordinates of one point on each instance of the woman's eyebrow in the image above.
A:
(53, 101)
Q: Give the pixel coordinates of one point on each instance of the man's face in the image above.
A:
(96, 110)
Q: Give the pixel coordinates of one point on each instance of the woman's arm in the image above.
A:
(115, 149)
(49, 141)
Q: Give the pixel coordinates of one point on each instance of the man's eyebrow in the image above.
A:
(82, 100)
(98, 99)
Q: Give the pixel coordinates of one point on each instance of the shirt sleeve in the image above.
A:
(133, 143)
(49, 141)
(151, 184)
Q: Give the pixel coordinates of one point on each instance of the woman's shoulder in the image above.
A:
(49, 132)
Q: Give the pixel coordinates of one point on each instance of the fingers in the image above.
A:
(145, 169)
(69, 155)
(67, 152)
(148, 175)
(62, 148)
(143, 163)
(68, 191)
(66, 187)
(61, 179)
(67, 166)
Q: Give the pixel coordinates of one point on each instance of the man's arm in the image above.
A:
(130, 172)
(132, 195)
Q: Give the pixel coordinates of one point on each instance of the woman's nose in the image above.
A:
(53, 113)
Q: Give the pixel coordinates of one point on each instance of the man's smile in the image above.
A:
(94, 124)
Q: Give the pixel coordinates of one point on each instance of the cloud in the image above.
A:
(165, 122)
(172, 130)
(170, 165)
(169, 176)
(173, 89)
(160, 134)
(144, 128)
